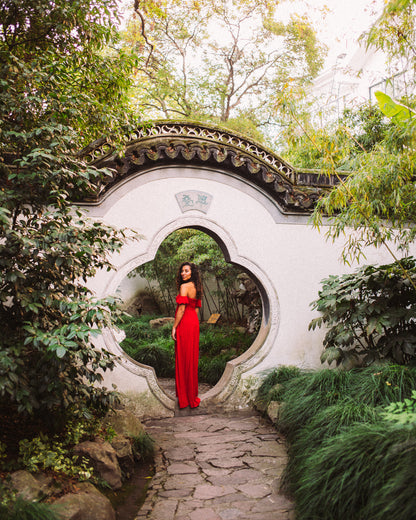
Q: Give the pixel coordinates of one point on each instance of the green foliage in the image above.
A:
(41, 453)
(370, 315)
(379, 386)
(270, 388)
(154, 347)
(306, 394)
(373, 159)
(138, 328)
(238, 74)
(210, 370)
(376, 480)
(377, 199)
(3, 449)
(394, 33)
(217, 346)
(214, 340)
(21, 509)
(323, 425)
(157, 356)
(61, 84)
(341, 144)
(55, 453)
(318, 390)
(348, 457)
(195, 246)
(403, 412)
(143, 446)
(397, 112)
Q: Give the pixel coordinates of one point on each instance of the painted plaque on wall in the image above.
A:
(194, 199)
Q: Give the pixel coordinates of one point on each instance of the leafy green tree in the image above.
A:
(369, 315)
(338, 145)
(378, 199)
(192, 245)
(218, 60)
(395, 34)
(62, 81)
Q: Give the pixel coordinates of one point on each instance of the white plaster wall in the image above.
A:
(287, 255)
(129, 287)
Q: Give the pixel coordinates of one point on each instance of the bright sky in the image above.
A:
(339, 22)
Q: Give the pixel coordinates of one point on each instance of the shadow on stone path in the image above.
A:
(216, 467)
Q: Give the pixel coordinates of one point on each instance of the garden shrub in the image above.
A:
(158, 357)
(307, 394)
(268, 391)
(41, 453)
(210, 370)
(402, 412)
(383, 384)
(216, 340)
(327, 423)
(370, 314)
(54, 453)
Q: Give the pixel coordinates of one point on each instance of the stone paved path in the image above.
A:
(216, 467)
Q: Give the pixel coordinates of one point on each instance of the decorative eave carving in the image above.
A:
(185, 143)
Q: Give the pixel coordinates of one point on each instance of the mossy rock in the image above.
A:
(124, 422)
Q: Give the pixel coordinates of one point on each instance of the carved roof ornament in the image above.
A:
(169, 143)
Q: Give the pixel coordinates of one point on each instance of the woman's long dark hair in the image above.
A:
(195, 277)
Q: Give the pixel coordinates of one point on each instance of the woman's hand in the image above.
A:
(174, 333)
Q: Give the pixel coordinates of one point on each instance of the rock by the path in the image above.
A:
(124, 452)
(124, 421)
(104, 460)
(217, 467)
(273, 410)
(87, 504)
(26, 485)
(161, 322)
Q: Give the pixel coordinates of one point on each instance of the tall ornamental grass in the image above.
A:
(350, 457)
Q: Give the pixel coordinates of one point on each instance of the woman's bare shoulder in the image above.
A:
(188, 290)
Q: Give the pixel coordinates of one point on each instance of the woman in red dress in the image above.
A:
(185, 333)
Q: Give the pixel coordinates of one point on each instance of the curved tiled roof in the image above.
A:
(173, 143)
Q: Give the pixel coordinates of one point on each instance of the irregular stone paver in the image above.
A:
(216, 467)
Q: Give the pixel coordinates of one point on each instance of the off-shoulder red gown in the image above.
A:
(187, 353)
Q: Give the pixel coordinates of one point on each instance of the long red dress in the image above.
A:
(187, 353)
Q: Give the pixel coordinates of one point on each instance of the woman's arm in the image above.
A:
(179, 313)
(178, 317)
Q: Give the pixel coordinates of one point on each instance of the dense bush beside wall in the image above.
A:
(352, 449)
(369, 314)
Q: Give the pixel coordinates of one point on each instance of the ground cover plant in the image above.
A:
(52, 455)
(351, 440)
(25, 510)
(154, 347)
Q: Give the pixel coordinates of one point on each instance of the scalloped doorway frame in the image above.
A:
(236, 369)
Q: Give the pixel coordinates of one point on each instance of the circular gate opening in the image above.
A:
(233, 308)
